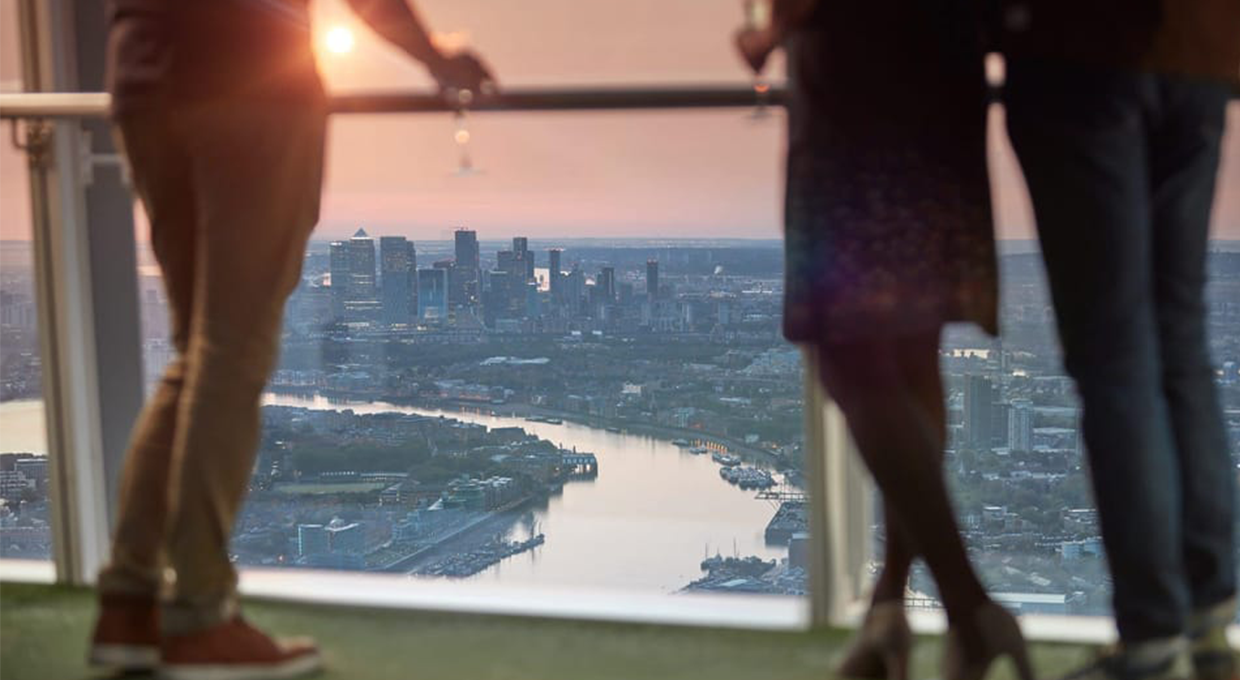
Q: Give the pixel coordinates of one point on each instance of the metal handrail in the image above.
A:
(28, 105)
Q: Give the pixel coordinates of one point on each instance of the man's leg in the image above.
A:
(127, 632)
(1185, 141)
(1080, 138)
(161, 175)
(257, 172)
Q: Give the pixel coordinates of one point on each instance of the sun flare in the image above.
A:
(339, 40)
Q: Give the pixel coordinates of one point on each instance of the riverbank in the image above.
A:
(745, 451)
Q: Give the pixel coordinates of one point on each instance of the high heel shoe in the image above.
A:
(881, 649)
(998, 636)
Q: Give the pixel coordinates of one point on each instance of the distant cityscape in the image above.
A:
(443, 421)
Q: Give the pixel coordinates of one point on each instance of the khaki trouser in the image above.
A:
(232, 192)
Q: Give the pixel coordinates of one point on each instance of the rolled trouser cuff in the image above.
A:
(182, 618)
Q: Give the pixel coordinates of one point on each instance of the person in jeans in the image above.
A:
(222, 117)
(1116, 110)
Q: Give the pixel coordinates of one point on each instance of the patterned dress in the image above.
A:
(887, 214)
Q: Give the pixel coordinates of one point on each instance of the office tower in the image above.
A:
(433, 293)
(398, 265)
(979, 398)
(362, 266)
(506, 261)
(533, 303)
(652, 279)
(361, 303)
(467, 253)
(607, 285)
(466, 280)
(554, 274)
(574, 288)
(497, 301)
(339, 269)
(1020, 425)
(523, 255)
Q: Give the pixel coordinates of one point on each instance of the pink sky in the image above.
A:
(666, 174)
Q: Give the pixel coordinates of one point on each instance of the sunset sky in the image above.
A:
(665, 174)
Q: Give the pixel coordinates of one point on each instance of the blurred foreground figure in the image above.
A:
(1116, 109)
(889, 237)
(222, 117)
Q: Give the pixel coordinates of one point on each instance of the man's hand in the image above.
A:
(462, 71)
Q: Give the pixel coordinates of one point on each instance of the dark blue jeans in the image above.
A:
(1121, 168)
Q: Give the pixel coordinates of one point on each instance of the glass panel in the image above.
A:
(24, 530)
(446, 407)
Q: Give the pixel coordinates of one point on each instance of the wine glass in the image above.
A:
(758, 17)
(462, 135)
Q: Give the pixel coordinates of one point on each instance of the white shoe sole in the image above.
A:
(293, 668)
(124, 657)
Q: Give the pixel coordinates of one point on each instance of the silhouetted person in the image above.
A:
(889, 237)
(1116, 109)
(222, 116)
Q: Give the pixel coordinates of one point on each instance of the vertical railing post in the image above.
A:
(85, 283)
(840, 501)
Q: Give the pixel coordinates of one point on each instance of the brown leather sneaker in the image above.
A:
(236, 651)
(126, 635)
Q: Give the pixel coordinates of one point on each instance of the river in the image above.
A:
(21, 427)
(645, 523)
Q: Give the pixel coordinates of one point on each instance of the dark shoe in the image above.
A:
(1143, 661)
(880, 650)
(1000, 637)
(126, 635)
(1213, 658)
(237, 651)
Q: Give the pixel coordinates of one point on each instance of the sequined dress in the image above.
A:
(887, 209)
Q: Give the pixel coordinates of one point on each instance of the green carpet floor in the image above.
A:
(43, 630)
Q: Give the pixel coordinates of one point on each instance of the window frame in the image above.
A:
(76, 387)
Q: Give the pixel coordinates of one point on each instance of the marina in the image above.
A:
(461, 565)
(747, 477)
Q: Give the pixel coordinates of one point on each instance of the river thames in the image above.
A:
(645, 523)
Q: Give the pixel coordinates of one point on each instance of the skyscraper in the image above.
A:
(362, 266)
(465, 282)
(433, 293)
(497, 301)
(652, 279)
(979, 398)
(1020, 425)
(398, 265)
(554, 275)
(339, 268)
(522, 253)
(361, 301)
(607, 285)
(467, 253)
(574, 289)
